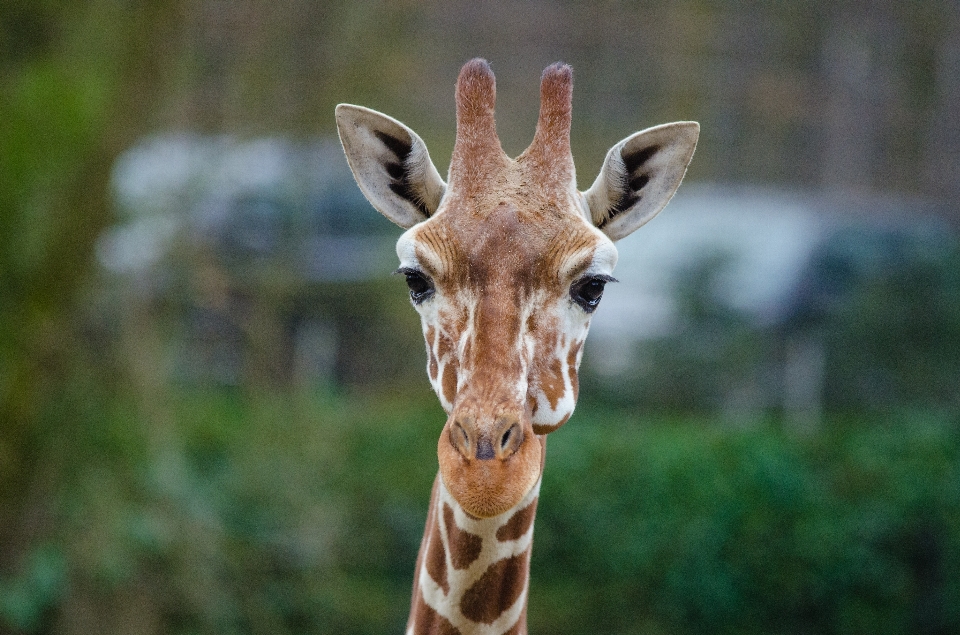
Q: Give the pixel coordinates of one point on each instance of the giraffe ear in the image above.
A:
(391, 165)
(639, 177)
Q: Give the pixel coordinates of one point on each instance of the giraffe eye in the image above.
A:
(421, 287)
(587, 291)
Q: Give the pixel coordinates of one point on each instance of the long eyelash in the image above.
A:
(603, 277)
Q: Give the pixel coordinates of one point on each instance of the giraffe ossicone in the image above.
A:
(505, 263)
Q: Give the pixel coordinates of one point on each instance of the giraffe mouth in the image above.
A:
(488, 478)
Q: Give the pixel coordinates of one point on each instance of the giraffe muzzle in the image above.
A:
(500, 441)
(489, 462)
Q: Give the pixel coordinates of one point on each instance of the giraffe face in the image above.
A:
(505, 298)
(505, 265)
(505, 290)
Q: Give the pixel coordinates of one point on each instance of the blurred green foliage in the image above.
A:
(684, 526)
(891, 319)
(235, 512)
(65, 114)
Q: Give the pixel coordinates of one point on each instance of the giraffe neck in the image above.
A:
(472, 574)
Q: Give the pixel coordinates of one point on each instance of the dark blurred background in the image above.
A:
(214, 416)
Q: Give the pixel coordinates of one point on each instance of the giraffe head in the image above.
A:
(506, 264)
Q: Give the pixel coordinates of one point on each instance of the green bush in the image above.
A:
(233, 512)
(690, 527)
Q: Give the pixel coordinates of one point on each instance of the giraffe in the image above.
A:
(505, 263)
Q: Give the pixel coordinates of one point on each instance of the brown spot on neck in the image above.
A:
(519, 524)
(436, 560)
(464, 546)
(497, 589)
(426, 621)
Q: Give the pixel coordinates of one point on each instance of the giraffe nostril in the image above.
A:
(460, 439)
(500, 441)
(510, 440)
(505, 441)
